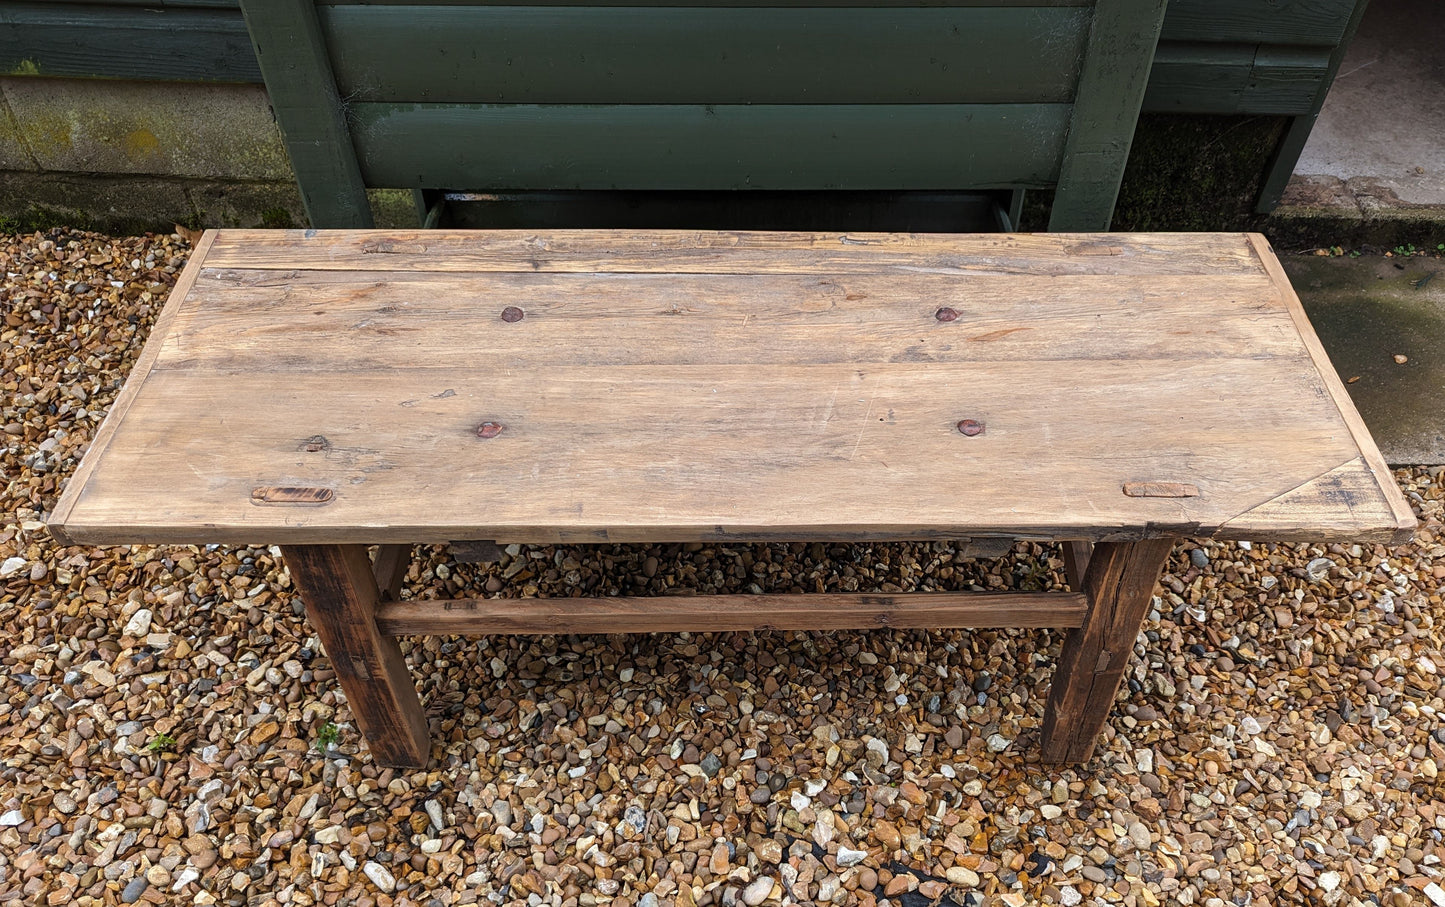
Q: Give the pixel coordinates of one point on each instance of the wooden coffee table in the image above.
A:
(328, 391)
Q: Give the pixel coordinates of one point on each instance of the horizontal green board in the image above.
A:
(185, 43)
(820, 4)
(1236, 79)
(922, 146)
(571, 55)
(1315, 22)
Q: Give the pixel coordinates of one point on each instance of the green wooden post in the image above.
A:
(1116, 67)
(294, 62)
(1286, 155)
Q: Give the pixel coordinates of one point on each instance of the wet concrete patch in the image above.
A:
(1368, 311)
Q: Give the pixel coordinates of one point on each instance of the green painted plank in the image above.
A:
(1122, 39)
(1281, 166)
(1235, 79)
(1317, 22)
(819, 4)
(155, 4)
(569, 55)
(125, 42)
(503, 147)
(298, 75)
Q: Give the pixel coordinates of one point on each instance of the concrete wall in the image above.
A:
(133, 156)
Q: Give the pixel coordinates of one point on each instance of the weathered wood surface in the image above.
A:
(1119, 582)
(341, 597)
(685, 386)
(724, 613)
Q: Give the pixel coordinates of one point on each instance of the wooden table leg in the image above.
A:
(339, 588)
(1119, 582)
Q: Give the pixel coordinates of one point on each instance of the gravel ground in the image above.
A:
(171, 733)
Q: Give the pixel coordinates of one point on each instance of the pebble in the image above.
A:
(757, 891)
(1435, 893)
(380, 876)
(11, 817)
(997, 743)
(1198, 558)
(849, 857)
(961, 875)
(11, 566)
(134, 889)
(139, 623)
(1318, 569)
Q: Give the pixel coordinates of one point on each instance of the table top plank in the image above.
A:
(795, 403)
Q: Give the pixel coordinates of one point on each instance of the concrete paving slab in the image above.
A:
(1368, 311)
(1378, 136)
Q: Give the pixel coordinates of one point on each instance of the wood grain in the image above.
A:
(676, 252)
(670, 397)
(1119, 583)
(341, 597)
(720, 613)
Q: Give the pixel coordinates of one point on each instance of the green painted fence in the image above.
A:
(1262, 57)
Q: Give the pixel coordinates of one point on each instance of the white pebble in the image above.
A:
(1329, 881)
(379, 875)
(1249, 725)
(758, 891)
(139, 623)
(12, 565)
(848, 857)
(1069, 896)
(11, 818)
(1436, 894)
(997, 743)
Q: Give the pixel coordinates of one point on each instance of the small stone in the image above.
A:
(886, 833)
(434, 813)
(932, 889)
(849, 857)
(38, 572)
(380, 876)
(720, 862)
(1329, 881)
(1069, 896)
(12, 566)
(502, 812)
(1318, 569)
(1198, 558)
(158, 876)
(904, 881)
(960, 875)
(133, 890)
(954, 737)
(997, 743)
(1250, 725)
(139, 623)
(757, 891)
(867, 879)
(1095, 874)
(710, 765)
(1435, 893)
(649, 567)
(11, 818)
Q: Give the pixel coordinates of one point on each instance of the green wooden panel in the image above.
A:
(571, 55)
(499, 147)
(890, 4)
(288, 46)
(1122, 39)
(125, 42)
(1235, 79)
(1317, 22)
